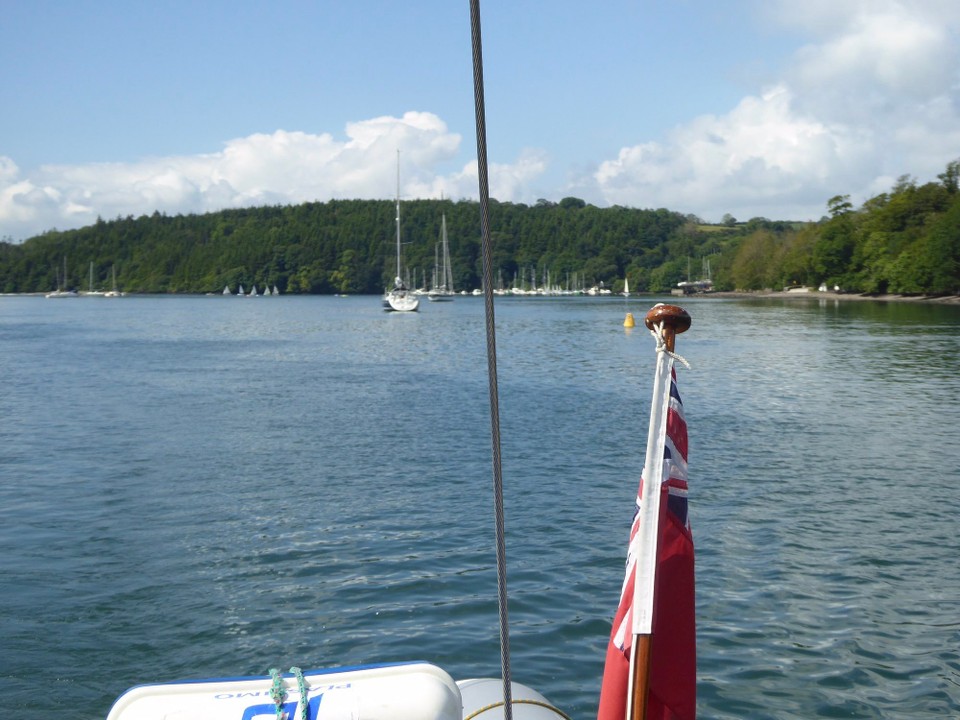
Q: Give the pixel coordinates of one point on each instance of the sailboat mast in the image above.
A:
(398, 213)
(447, 266)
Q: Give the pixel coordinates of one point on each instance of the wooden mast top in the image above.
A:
(674, 319)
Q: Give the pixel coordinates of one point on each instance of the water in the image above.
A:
(198, 487)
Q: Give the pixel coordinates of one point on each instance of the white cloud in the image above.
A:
(760, 159)
(876, 95)
(507, 182)
(282, 167)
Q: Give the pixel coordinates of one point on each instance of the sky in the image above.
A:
(748, 108)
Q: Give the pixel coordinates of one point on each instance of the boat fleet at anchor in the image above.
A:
(267, 292)
(63, 291)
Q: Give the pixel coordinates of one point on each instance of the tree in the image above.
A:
(834, 248)
(951, 177)
(938, 254)
(752, 267)
(839, 205)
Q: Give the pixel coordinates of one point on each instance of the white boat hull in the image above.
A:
(401, 302)
(404, 691)
(416, 691)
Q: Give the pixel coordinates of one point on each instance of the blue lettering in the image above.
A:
(290, 709)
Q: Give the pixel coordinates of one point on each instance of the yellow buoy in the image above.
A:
(628, 320)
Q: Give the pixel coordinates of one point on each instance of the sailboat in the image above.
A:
(90, 291)
(114, 292)
(226, 290)
(399, 298)
(62, 291)
(442, 273)
(626, 286)
(240, 292)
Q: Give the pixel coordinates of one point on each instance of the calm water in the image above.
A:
(196, 487)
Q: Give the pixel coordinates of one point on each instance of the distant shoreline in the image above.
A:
(730, 294)
(829, 295)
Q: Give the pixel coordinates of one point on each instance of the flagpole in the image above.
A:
(665, 322)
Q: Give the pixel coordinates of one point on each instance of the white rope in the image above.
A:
(657, 333)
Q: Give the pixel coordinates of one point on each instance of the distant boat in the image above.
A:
(399, 298)
(90, 290)
(442, 273)
(240, 292)
(226, 290)
(275, 290)
(253, 292)
(703, 285)
(114, 292)
(62, 291)
(626, 287)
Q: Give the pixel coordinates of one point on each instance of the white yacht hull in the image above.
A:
(401, 302)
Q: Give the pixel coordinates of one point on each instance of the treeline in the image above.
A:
(904, 241)
(349, 246)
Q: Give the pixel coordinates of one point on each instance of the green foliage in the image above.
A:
(904, 241)
(342, 246)
(752, 267)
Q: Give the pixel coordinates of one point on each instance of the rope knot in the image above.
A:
(657, 333)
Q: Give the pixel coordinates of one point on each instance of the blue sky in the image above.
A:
(112, 108)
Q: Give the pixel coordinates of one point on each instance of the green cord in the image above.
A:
(278, 693)
(302, 687)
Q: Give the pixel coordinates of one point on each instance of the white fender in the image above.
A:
(483, 700)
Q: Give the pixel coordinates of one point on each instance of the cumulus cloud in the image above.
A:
(874, 95)
(282, 167)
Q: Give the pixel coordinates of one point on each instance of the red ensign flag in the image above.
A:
(673, 652)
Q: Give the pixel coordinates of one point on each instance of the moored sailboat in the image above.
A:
(90, 290)
(62, 290)
(442, 290)
(399, 298)
(113, 292)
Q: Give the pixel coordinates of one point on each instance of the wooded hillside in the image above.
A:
(904, 241)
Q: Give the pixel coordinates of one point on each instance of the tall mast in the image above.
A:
(398, 213)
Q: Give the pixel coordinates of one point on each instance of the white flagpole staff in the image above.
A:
(664, 322)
